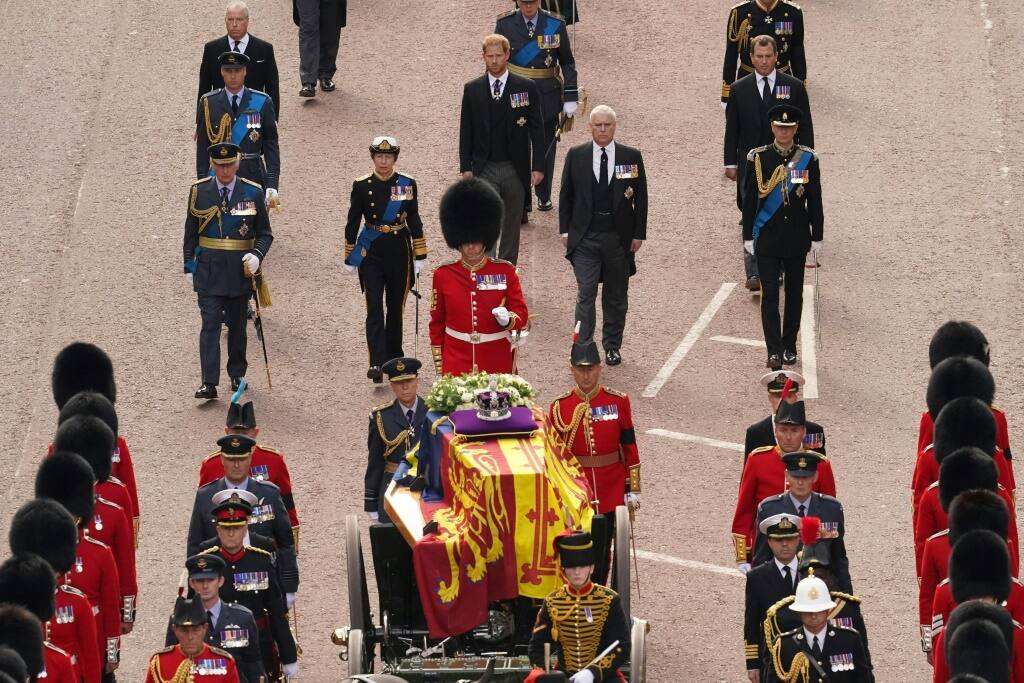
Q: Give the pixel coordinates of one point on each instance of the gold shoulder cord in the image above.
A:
(569, 430)
(222, 129)
(739, 35)
(204, 215)
(391, 445)
(799, 670)
(778, 176)
(182, 675)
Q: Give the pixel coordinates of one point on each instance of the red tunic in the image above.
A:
(267, 465)
(110, 525)
(123, 468)
(461, 301)
(58, 665)
(931, 519)
(926, 430)
(95, 574)
(599, 433)
(211, 665)
(73, 629)
(926, 473)
(943, 604)
(940, 672)
(764, 475)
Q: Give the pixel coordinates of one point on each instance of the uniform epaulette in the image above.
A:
(214, 549)
(211, 93)
(760, 449)
(814, 155)
(501, 260)
(249, 182)
(846, 596)
(258, 550)
(55, 648)
(269, 449)
(604, 590)
(202, 180)
(846, 628)
(933, 485)
(793, 632)
(740, 4)
(163, 651)
(211, 456)
(553, 15)
(261, 92)
(405, 175)
(382, 406)
(101, 499)
(217, 650)
(938, 533)
(616, 392)
(754, 152)
(364, 177)
(71, 590)
(507, 14)
(566, 394)
(267, 482)
(93, 540)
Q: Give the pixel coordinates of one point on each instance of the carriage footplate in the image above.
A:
(506, 669)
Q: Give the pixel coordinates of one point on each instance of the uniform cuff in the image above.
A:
(634, 479)
(740, 544)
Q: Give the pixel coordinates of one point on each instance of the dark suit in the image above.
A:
(495, 139)
(234, 631)
(762, 433)
(388, 423)
(269, 517)
(784, 22)
(833, 520)
(842, 647)
(255, 134)
(320, 23)
(261, 74)
(766, 585)
(218, 278)
(599, 245)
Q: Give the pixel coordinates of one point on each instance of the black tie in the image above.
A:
(408, 416)
(209, 617)
(234, 105)
(766, 90)
(529, 28)
(801, 510)
(497, 89)
(235, 48)
(603, 179)
(788, 576)
(224, 196)
(816, 648)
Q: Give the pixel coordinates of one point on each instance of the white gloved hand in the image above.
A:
(417, 265)
(632, 500)
(251, 262)
(374, 516)
(748, 246)
(585, 676)
(351, 270)
(272, 196)
(289, 670)
(744, 568)
(570, 108)
(724, 105)
(501, 314)
(289, 599)
(188, 278)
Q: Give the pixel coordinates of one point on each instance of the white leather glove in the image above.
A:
(272, 196)
(188, 278)
(744, 568)
(748, 246)
(374, 516)
(632, 500)
(289, 670)
(289, 599)
(501, 315)
(351, 270)
(570, 108)
(724, 105)
(585, 676)
(251, 262)
(417, 265)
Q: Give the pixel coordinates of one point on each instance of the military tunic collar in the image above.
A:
(483, 262)
(382, 178)
(587, 589)
(587, 396)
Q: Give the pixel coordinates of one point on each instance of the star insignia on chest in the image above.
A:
(768, 19)
(521, 121)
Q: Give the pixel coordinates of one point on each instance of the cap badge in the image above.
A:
(813, 593)
(785, 116)
(224, 151)
(384, 144)
(785, 523)
(201, 563)
(235, 498)
(802, 463)
(400, 366)
(235, 443)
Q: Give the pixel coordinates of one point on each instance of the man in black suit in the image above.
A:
(602, 218)
(783, 220)
(262, 69)
(746, 119)
(501, 120)
(762, 433)
(320, 23)
(767, 583)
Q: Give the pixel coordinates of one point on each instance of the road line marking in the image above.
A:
(809, 362)
(739, 340)
(680, 436)
(689, 340)
(689, 564)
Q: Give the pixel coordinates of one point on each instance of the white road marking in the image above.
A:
(739, 340)
(689, 340)
(689, 564)
(680, 436)
(809, 362)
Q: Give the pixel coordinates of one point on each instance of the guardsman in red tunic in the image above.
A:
(45, 528)
(267, 463)
(68, 479)
(86, 367)
(192, 660)
(764, 475)
(978, 652)
(22, 632)
(476, 303)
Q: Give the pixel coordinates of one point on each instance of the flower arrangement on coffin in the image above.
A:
(458, 392)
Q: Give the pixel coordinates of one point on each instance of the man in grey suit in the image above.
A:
(602, 219)
(320, 23)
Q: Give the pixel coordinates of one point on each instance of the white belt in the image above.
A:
(475, 337)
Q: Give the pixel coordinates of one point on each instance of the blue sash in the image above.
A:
(527, 52)
(773, 202)
(239, 131)
(394, 205)
(368, 235)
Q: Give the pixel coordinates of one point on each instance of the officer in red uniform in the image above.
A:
(764, 475)
(268, 463)
(67, 478)
(43, 527)
(192, 659)
(26, 580)
(86, 367)
(476, 303)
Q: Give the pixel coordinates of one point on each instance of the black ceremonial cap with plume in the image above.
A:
(584, 353)
(470, 212)
(241, 416)
(68, 479)
(90, 438)
(27, 580)
(82, 367)
(189, 613)
(46, 528)
(791, 414)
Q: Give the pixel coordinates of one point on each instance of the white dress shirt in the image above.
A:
(611, 160)
(820, 636)
(231, 190)
(792, 568)
(504, 81)
(214, 611)
(241, 95)
(243, 43)
(760, 82)
(798, 503)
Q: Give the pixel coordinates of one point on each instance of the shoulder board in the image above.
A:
(780, 604)
(604, 590)
(364, 177)
(847, 629)
(269, 449)
(791, 4)
(770, 499)
(824, 497)
(211, 456)
(267, 482)
(55, 648)
(615, 392)
(71, 590)
(805, 148)
(566, 394)
(203, 180)
(101, 499)
(382, 406)
(90, 539)
(258, 551)
(239, 608)
(214, 549)
(788, 633)
(249, 182)
(212, 93)
(163, 651)
(406, 175)
(258, 91)
(507, 14)
(503, 262)
(217, 650)
(846, 596)
(554, 15)
(944, 532)
(933, 485)
(754, 152)
(761, 449)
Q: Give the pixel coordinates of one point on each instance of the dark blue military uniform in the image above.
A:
(391, 435)
(253, 128)
(546, 58)
(269, 516)
(218, 234)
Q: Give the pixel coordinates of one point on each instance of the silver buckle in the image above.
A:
(474, 338)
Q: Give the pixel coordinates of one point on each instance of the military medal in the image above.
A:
(589, 615)
(519, 99)
(521, 121)
(604, 413)
(234, 636)
(64, 615)
(496, 281)
(814, 441)
(799, 176)
(401, 193)
(252, 122)
(829, 530)
(259, 472)
(97, 522)
(546, 42)
(843, 621)
(782, 92)
(549, 60)
(116, 457)
(842, 662)
(78, 565)
(627, 171)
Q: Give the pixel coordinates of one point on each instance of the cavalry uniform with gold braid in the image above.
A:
(847, 613)
(391, 435)
(842, 658)
(211, 665)
(779, 19)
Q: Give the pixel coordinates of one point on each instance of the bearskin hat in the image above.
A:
(965, 469)
(956, 377)
(23, 633)
(964, 422)
(973, 510)
(92, 439)
(957, 338)
(68, 479)
(27, 580)
(978, 648)
(90, 403)
(979, 567)
(81, 366)
(45, 527)
(12, 666)
(471, 211)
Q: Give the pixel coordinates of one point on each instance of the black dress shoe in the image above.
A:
(237, 382)
(774, 362)
(544, 205)
(612, 357)
(327, 85)
(308, 90)
(753, 283)
(375, 374)
(788, 358)
(207, 391)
